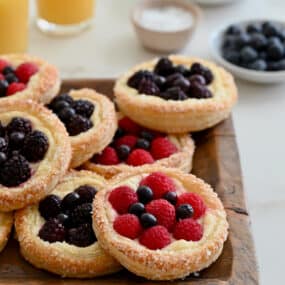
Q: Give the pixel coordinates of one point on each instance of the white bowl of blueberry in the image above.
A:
(252, 50)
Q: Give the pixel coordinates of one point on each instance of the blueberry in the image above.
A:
(242, 40)
(119, 133)
(174, 93)
(145, 194)
(184, 211)
(230, 42)
(78, 124)
(64, 219)
(272, 65)
(148, 87)
(248, 54)
(10, 78)
(123, 151)
(197, 79)
(148, 220)
(7, 70)
(60, 105)
(232, 56)
(49, 207)
(70, 201)
(258, 64)
(275, 51)
(233, 30)
(270, 29)
(16, 140)
(159, 80)
(262, 55)
(281, 64)
(86, 193)
(3, 145)
(183, 83)
(137, 209)
(3, 157)
(172, 78)
(66, 114)
(273, 41)
(180, 69)
(253, 28)
(3, 87)
(199, 92)
(84, 108)
(171, 197)
(142, 143)
(164, 67)
(138, 76)
(146, 135)
(258, 41)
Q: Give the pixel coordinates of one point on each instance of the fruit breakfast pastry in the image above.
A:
(57, 235)
(34, 153)
(177, 94)
(160, 223)
(133, 146)
(24, 77)
(90, 120)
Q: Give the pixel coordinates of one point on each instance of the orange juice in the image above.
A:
(13, 26)
(65, 12)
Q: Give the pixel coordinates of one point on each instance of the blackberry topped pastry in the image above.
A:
(35, 153)
(24, 77)
(177, 94)
(90, 120)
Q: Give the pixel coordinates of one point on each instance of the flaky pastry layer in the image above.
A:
(6, 224)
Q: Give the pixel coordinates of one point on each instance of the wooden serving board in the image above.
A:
(216, 161)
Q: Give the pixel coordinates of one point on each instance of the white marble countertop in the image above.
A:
(110, 47)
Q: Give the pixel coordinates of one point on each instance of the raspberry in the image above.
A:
(121, 198)
(162, 147)
(49, 207)
(35, 146)
(139, 157)
(83, 108)
(82, 236)
(128, 225)
(18, 124)
(3, 64)
(195, 201)
(15, 87)
(129, 126)
(2, 77)
(82, 214)
(156, 237)
(15, 171)
(78, 124)
(25, 70)
(107, 157)
(128, 140)
(159, 183)
(163, 211)
(52, 231)
(188, 229)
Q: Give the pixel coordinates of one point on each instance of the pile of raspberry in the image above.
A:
(20, 145)
(69, 219)
(155, 214)
(135, 146)
(13, 80)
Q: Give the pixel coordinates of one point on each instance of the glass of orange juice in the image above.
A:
(14, 26)
(63, 17)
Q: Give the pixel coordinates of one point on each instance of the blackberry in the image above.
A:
(135, 80)
(164, 67)
(84, 108)
(70, 201)
(3, 145)
(82, 236)
(15, 171)
(16, 140)
(86, 193)
(35, 146)
(148, 87)
(82, 214)
(3, 157)
(52, 231)
(19, 124)
(2, 130)
(64, 219)
(78, 124)
(49, 207)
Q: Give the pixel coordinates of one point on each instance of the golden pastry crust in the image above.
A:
(181, 257)
(86, 144)
(178, 116)
(42, 87)
(48, 171)
(60, 257)
(6, 224)
(181, 159)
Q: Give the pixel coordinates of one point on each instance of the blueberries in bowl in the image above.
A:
(257, 46)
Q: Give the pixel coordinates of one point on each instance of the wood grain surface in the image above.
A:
(216, 160)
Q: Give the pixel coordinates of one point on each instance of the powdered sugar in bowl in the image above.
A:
(165, 25)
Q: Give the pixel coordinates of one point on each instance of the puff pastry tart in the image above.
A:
(133, 146)
(177, 94)
(6, 224)
(57, 234)
(24, 77)
(34, 153)
(160, 223)
(90, 120)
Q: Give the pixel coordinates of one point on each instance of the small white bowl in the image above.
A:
(265, 77)
(164, 41)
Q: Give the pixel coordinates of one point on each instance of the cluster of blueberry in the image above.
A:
(257, 46)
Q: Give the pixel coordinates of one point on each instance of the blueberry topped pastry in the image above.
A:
(57, 234)
(34, 153)
(90, 120)
(24, 77)
(176, 94)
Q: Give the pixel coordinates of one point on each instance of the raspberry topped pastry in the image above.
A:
(160, 223)
(90, 120)
(25, 77)
(133, 146)
(177, 94)
(34, 153)
(57, 235)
